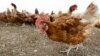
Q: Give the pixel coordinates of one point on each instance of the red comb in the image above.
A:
(38, 21)
(74, 5)
(41, 19)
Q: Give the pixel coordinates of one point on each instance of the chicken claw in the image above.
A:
(70, 47)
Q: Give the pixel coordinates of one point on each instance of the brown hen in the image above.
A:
(69, 30)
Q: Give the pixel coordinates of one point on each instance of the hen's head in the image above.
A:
(40, 22)
(73, 8)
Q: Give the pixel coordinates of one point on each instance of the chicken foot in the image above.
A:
(72, 46)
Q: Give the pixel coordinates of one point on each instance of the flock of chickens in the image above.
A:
(62, 27)
(15, 17)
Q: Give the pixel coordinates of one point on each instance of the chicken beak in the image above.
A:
(43, 27)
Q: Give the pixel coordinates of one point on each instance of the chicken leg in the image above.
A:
(67, 50)
(78, 45)
(70, 47)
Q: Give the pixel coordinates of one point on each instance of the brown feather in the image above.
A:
(68, 30)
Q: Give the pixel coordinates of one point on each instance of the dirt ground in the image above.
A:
(26, 41)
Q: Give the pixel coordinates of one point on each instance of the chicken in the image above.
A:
(90, 15)
(91, 10)
(60, 14)
(71, 10)
(3, 17)
(69, 30)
